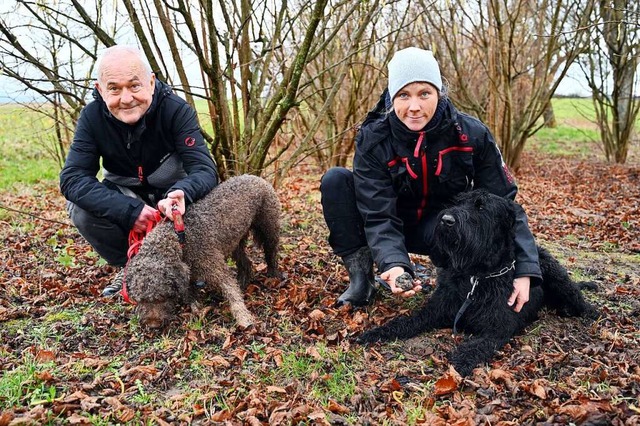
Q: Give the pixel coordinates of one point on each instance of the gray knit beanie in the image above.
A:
(411, 65)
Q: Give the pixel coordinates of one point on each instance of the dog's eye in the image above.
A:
(479, 204)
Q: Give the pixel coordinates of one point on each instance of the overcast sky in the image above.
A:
(573, 84)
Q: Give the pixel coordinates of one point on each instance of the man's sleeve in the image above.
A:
(202, 175)
(79, 184)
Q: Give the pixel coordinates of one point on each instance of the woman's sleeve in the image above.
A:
(493, 175)
(376, 201)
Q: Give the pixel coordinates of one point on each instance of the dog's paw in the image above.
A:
(463, 362)
(244, 325)
(583, 310)
(588, 285)
(244, 320)
(274, 273)
(371, 336)
(590, 313)
(197, 307)
(463, 367)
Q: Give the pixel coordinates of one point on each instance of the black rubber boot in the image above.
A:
(361, 279)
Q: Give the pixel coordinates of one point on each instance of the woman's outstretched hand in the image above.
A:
(390, 276)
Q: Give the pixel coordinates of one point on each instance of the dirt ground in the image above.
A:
(68, 356)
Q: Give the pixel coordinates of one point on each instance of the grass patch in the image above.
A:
(26, 384)
(142, 396)
(576, 110)
(330, 371)
(24, 156)
(565, 140)
(575, 134)
(46, 332)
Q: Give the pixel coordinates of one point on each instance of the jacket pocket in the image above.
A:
(455, 168)
(402, 177)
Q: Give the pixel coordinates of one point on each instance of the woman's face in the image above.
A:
(415, 104)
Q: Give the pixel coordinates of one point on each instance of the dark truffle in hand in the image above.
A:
(405, 282)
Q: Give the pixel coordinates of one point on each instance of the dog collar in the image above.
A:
(474, 282)
(502, 271)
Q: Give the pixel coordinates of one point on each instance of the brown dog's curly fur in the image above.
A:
(161, 277)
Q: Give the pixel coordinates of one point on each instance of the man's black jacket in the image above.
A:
(401, 176)
(162, 152)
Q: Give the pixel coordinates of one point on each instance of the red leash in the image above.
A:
(136, 238)
(178, 224)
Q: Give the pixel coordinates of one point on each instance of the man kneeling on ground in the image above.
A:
(153, 156)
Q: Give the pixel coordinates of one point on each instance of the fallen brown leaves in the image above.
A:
(68, 356)
(598, 204)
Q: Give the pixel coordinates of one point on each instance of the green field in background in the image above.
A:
(27, 138)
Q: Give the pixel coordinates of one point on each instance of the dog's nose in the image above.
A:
(153, 324)
(447, 220)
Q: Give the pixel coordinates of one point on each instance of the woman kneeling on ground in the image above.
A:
(414, 153)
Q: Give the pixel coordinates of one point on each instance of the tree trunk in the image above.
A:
(616, 104)
(549, 117)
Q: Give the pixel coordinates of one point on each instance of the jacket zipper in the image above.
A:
(423, 156)
(140, 169)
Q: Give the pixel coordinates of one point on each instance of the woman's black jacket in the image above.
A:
(401, 176)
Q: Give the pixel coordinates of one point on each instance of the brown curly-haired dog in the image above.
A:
(160, 278)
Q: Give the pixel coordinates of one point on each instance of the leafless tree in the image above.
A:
(610, 67)
(277, 81)
(250, 57)
(345, 80)
(245, 59)
(49, 57)
(504, 59)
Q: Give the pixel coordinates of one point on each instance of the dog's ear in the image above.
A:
(179, 277)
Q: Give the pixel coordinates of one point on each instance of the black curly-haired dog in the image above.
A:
(475, 255)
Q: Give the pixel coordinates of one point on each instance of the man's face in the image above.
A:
(126, 87)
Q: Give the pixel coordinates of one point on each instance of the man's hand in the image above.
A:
(390, 277)
(520, 294)
(146, 215)
(174, 198)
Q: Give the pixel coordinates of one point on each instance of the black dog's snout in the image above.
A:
(447, 220)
